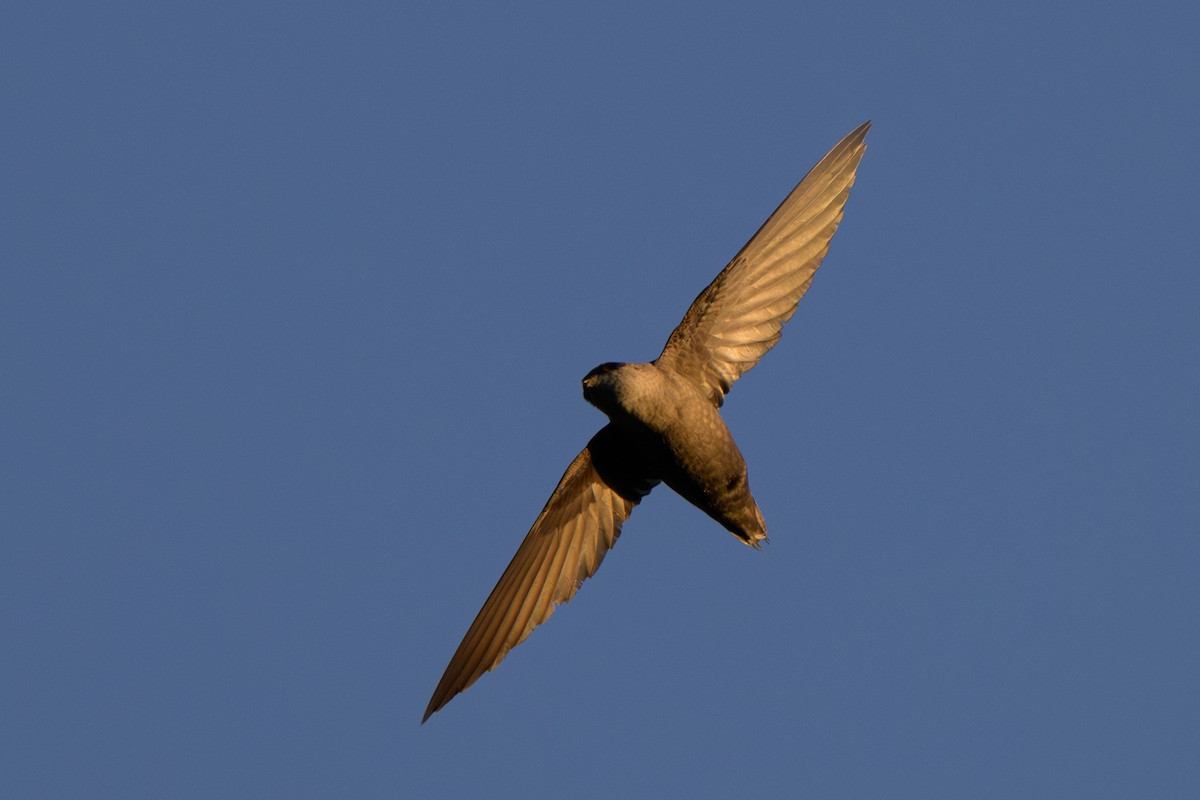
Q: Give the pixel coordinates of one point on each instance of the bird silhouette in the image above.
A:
(664, 424)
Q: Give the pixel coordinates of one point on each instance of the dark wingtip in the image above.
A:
(435, 705)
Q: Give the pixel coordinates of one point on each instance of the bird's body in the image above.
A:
(684, 439)
(664, 423)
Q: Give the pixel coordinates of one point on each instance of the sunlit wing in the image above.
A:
(565, 546)
(738, 318)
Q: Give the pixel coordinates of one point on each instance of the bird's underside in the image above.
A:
(664, 424)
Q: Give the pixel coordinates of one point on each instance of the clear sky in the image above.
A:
(294, 304)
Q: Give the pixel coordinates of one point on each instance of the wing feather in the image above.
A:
(579, 524)
(741, 314)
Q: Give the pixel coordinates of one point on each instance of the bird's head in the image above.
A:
(599, 385)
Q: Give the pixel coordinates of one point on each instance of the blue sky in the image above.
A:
(294, 304)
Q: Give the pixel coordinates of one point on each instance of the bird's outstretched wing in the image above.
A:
(565, 546)
(739, 316)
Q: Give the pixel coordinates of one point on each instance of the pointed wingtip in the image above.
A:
(858, 134)
(435, 705)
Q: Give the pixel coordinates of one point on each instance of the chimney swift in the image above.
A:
(663, 422)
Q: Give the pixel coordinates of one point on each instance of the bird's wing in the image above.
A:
(739, 316)
(565, 546)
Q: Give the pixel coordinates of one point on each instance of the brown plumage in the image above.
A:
(664, 424)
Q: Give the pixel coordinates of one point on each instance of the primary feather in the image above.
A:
(739, 317)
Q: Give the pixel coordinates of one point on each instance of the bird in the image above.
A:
(664, 424)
